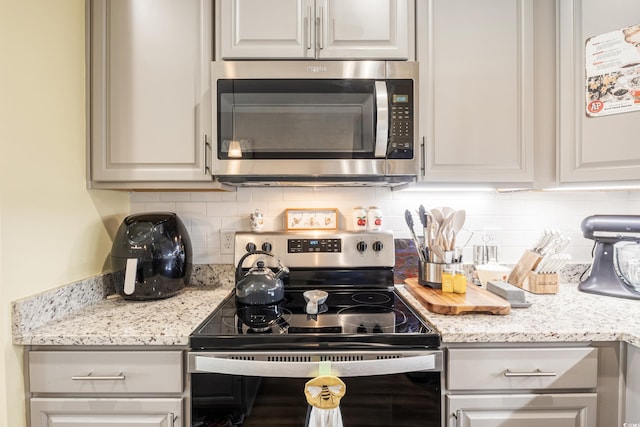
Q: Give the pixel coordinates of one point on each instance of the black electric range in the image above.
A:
(362, 310)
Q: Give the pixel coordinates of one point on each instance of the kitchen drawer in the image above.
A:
(105, 372)
(526, 369)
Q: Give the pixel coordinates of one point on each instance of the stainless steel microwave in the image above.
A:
(314, 122)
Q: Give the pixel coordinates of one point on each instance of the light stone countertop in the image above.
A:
(115, 321)
(568, 316)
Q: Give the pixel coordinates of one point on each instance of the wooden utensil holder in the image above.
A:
(524, 277)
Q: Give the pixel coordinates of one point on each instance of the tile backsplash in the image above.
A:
(512, 220)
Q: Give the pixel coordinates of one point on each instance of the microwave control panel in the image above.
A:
(401, 117)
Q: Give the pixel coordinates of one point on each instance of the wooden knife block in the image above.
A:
(524, 277)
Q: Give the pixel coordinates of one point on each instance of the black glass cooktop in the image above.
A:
(349, 319)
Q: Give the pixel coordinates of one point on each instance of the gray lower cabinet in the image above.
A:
(522, 410)
(77, 412)
(521, 387)
(105, 388)
(632, 410)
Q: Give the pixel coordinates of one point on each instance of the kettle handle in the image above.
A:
(256, 252)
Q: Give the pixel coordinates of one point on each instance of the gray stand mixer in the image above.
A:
(606, 231)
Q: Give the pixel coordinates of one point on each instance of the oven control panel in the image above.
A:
(321, 249)
(298, 246)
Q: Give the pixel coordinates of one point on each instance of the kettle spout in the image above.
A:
(282, 272)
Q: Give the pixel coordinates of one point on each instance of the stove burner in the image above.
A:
(370, 298)
(260, 318)
(373, 319)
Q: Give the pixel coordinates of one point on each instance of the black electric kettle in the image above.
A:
(260, 285)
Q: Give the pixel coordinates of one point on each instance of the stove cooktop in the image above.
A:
(349, 319)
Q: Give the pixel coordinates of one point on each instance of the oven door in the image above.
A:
(387, 388)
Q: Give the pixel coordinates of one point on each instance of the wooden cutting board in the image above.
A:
(475, 300)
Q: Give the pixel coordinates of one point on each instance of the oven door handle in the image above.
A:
(286, 368)
(382, 119)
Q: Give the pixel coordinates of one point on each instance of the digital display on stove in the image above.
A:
(298, 246)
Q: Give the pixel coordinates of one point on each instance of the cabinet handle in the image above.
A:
(423, 155)
(91, 377)
(206, 164)
(172, 418)
(457, 418)
(319, 31)
(307, 21)
(536, 373)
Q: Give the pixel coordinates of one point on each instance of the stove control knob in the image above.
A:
(250, 247)
(377, 246)
(267, 247)
(361, 246)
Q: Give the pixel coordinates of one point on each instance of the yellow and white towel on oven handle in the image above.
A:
(323, 393)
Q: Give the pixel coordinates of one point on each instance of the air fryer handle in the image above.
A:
(130, 272)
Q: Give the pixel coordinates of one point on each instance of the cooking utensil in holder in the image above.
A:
(430, 273)
(524, 276)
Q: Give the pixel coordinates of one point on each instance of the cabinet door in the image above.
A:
(527, 410)
(70, 412)
(282, 29)
(362, 29)
(632, 411)
(476, 89)
(320, 29)
(602, 148)
(150, 90)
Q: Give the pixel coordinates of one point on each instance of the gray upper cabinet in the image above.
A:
(601, 148)
(150, 97)
(477, 101)
(316, 29)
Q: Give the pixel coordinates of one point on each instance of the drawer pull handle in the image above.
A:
(91, 377)
(536, 373)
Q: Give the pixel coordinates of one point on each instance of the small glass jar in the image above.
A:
(374, 218)
(359, 218)
(459, 282)
(447, 280)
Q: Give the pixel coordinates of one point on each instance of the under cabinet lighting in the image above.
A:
(604, 187)
(235, 151)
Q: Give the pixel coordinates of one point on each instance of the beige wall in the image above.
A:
(53, 230)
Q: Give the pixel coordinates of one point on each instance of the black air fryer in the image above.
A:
(151, 256)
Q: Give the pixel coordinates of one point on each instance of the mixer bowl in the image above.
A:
(627, 263)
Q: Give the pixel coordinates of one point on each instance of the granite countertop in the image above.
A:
(568, 316)
(115, 321)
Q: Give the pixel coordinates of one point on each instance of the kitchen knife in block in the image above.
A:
(541, 283)
(527, 263)
(475, 300)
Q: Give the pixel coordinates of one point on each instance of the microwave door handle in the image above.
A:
(289, 369)
(382, 118)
